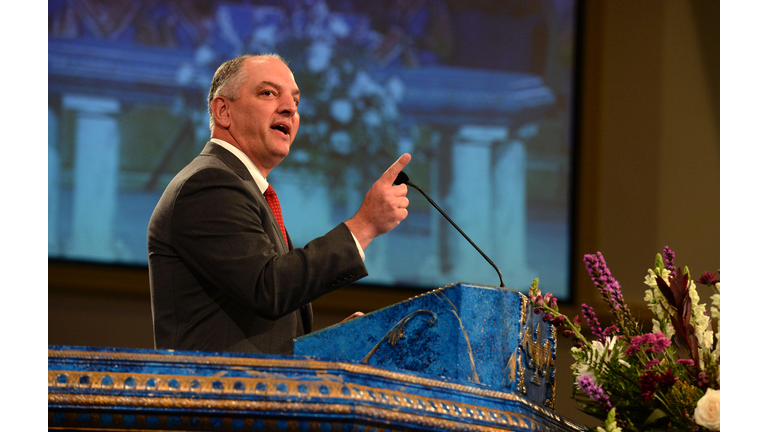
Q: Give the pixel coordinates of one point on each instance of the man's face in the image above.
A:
(264, 117)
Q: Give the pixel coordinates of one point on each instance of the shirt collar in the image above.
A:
(261, 182)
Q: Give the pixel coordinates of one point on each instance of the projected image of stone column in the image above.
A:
(96, 169)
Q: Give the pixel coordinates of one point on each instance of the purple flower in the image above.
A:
(605, 282)
(610, 291)
(592, 322)
(687, 362)
(594, 391)
(669, 260)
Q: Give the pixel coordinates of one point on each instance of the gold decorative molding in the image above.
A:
(253, 364)
(267, 390)
(172, 391)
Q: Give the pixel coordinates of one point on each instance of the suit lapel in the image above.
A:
(272, 228)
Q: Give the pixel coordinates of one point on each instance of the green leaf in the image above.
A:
(655, 415)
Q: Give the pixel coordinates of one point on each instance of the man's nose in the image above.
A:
(287, 106)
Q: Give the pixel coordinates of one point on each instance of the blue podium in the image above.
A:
(468, 333)
(463, 357)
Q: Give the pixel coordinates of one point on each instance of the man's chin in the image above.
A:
(281, 151)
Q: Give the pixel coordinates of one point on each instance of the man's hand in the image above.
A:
(384, 206)
(353, 316)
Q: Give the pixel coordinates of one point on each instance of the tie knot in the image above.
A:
(270, 191)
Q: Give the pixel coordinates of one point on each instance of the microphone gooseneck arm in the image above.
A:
(402, 178)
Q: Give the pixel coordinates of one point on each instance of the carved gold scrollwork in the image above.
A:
(536, 355)
(521, 377)
(539, 357)
(523, 314)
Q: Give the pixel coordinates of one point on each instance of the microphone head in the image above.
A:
(402, 177)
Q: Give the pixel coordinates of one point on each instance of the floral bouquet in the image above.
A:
(638, 380)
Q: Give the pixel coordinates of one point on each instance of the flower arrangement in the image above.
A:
(667, 378)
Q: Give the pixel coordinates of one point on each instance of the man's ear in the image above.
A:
(220, 111)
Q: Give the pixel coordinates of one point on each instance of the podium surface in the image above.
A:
(469, 333)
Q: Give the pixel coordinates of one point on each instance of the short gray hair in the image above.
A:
(228, 79)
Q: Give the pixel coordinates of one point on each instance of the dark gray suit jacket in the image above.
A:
(222, 277)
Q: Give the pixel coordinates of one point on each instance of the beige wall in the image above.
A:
(648, 174)
(650, 137)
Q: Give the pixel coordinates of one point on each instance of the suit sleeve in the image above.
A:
(217, 229)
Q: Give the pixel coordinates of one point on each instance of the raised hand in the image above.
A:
(384, 206)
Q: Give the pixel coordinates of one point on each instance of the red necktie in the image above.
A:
(274, 204)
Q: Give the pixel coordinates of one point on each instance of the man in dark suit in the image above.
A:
(224, 275)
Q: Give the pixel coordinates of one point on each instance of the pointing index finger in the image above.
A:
(391, 173)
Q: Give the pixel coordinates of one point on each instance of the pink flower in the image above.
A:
(577, 320)
(651, 363)
(661, 343)
(657, 341)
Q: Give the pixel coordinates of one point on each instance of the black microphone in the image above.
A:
(402, 178)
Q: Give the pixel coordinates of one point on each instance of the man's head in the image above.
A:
(253, 105)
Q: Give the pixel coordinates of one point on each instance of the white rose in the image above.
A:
(707, 412)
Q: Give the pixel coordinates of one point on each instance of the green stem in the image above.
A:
(572, 327)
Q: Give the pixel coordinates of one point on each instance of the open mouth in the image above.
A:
(281, 128)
